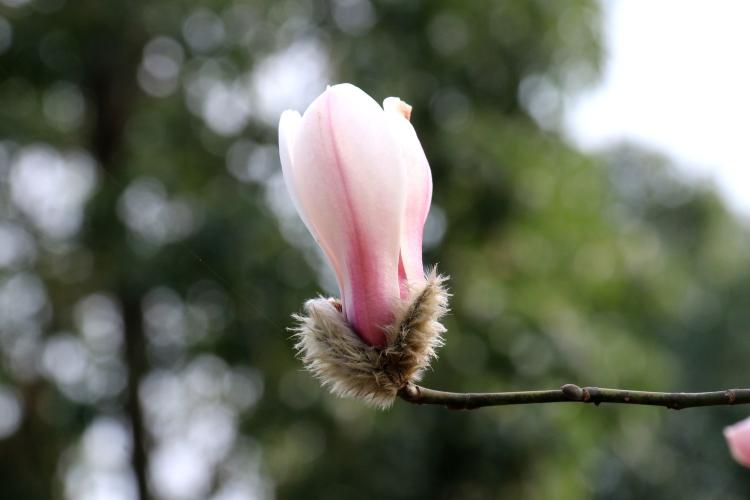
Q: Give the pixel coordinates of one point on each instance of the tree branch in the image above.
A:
(571, 393)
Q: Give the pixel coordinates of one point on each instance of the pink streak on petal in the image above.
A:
(366, 308)
(402, 279)
(738, 439)
(352, 189)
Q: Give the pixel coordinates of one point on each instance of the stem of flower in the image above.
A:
(571, 393)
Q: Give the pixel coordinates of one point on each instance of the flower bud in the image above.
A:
(361, 183)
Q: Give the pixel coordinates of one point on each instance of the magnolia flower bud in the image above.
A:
(738, 439)
(361, 183)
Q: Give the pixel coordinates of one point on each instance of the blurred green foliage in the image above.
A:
(149, 261)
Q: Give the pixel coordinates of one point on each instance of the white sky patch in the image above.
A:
(290, 79)
(677, 80)
(99, 466)
(51, 188)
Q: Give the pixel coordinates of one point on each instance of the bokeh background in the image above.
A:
(150, 259)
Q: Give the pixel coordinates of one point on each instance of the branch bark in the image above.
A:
(571, 393)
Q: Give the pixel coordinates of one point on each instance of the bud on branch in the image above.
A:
(361, 183)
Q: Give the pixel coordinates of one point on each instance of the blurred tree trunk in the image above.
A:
(111, 88)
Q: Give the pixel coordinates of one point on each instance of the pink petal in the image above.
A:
(289, 125)
(351, 187)
(738, 439)
(419, 187)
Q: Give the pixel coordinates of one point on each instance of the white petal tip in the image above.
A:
(396, 105)
(290, 114)
(289, 123)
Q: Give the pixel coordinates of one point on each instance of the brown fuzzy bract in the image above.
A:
(336, 355)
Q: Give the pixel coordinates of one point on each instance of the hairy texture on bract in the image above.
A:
(336, 356)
